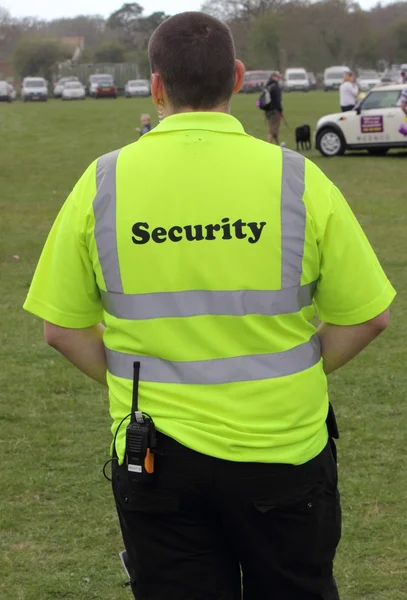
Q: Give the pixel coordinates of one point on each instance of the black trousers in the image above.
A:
(208, 529)
(347, 108)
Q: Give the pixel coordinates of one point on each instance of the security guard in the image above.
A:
(206, 279)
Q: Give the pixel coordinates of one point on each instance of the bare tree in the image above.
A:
(10, 33)
(228, 10)
(92, 28)
(132, 26)
(269, 33)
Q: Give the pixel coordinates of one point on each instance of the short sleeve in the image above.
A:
(352, 286)
(64, 290)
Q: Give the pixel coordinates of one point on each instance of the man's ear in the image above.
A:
(239, 76)
(157, 89)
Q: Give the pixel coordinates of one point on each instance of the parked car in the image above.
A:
(254, 81)
(333, 77)
(373, 125)
(34, 88)
(13, 92)
(391, 77)
(367, 80)
(73, 90)
(59, 86)
(296, 80)
(312, 80)
(137, 87)
(5, 92)
(98, 79)
(106, 89)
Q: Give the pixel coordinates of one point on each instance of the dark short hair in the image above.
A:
(195, 55)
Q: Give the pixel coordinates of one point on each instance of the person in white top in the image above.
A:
(348, 92)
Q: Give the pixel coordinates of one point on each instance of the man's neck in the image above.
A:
(222, 108)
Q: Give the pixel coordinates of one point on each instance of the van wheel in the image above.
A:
(330, 142)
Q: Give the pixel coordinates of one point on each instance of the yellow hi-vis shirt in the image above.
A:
(206, 253)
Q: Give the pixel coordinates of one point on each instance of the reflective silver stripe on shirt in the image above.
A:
(220, 370)
(193, 303)
(104, 207)
(293, 218)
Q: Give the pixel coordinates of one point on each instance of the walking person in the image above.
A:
(274, 114)
(192, 297)
(348, 92)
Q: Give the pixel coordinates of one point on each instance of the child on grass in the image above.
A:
(146, 124)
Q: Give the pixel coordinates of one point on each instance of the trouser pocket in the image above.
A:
(145, 497)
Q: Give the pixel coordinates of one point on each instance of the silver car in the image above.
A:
(390, 77)
(137, 87)
(5, 92)
(367, 80)
(13, 92)
(73, 90)
(59, 86)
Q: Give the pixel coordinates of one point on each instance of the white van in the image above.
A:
(34, 88)
(333, 77)
(296, 80)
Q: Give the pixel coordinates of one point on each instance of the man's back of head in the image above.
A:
(194, 55)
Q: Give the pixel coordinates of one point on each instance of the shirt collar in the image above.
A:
(209, 121)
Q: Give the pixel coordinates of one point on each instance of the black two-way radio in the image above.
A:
(140, 438)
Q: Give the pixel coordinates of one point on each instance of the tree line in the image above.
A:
(35, 47)
(279, 34)
(268, 34)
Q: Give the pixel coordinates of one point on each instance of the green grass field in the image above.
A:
(59, 537)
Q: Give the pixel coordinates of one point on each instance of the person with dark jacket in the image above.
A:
(274, 115)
